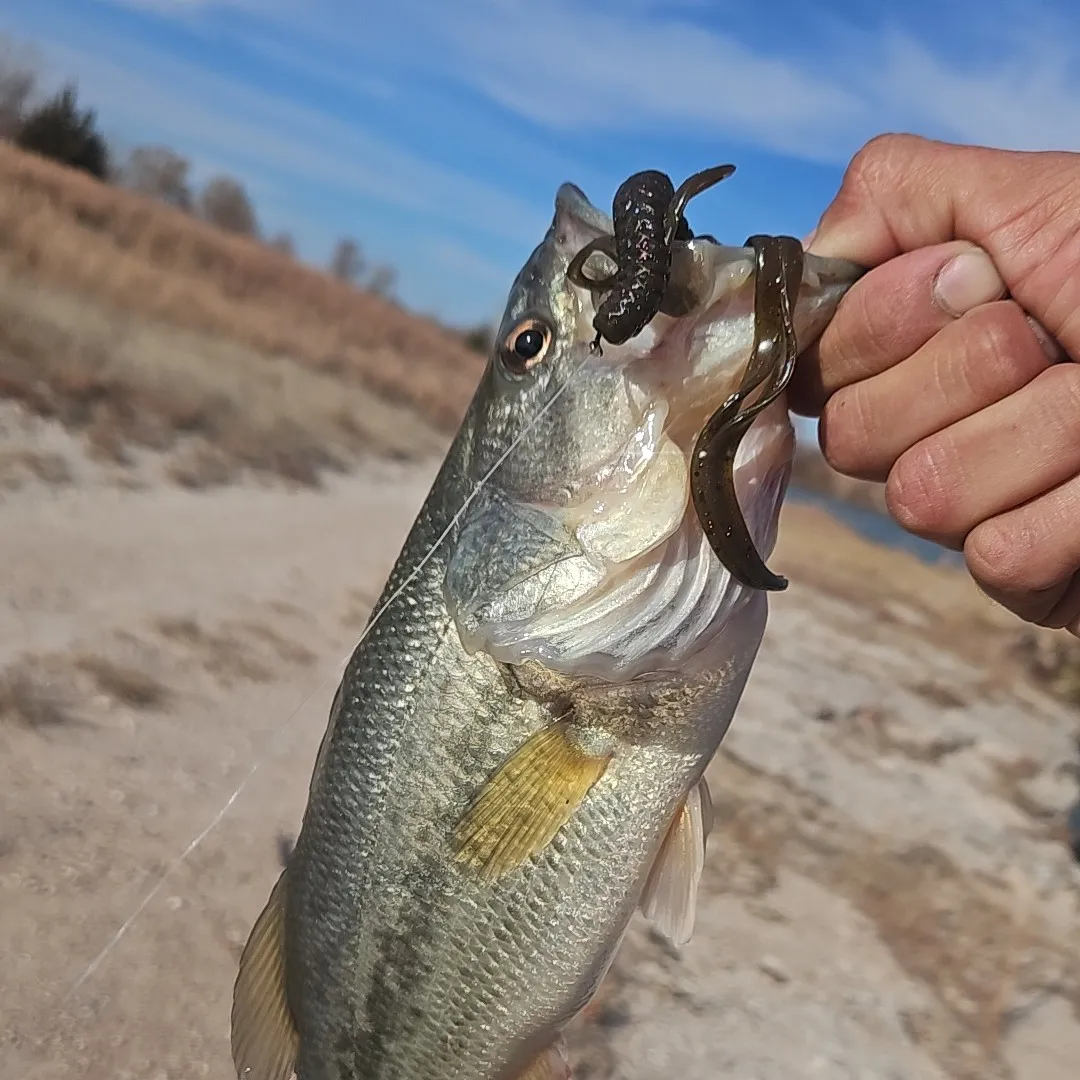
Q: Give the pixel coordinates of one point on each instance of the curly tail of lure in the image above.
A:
(778, 277)
(648, 215)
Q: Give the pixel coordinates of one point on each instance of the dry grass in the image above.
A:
(819, 552)
(142, 327)
(223, 654)
(30, 698)
(63, 228)
(130, 686)
(971, 941)
(17, 465)
(218, 407)
(236, 649)
(870, 732)
(1052, 659)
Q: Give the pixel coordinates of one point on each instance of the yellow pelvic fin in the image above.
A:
(531, 796)
(264, 1037)
(669, 900)
(550, 1065)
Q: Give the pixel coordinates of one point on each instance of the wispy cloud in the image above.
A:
(568, 66)
(1028, 99)
(813, 91)
(440, 129)
(228, 120)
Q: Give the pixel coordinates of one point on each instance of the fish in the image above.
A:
(514, 759)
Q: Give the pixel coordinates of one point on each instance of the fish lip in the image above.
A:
(571, 200)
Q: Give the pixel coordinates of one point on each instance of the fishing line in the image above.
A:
(277, 735)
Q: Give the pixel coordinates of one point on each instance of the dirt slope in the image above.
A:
(887, 894)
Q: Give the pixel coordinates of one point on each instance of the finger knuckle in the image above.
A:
(1064, 613)
(879, 158)
(1001, 352)
(849, 433)
(1000, 554)
(1058, 616)
(1059, 401)
(917, 489)
(994, 334)
(873, 169)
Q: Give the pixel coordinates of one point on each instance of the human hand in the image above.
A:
(951, 371)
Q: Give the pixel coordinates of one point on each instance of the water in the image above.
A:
(878, 528)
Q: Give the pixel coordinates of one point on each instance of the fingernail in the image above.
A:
(808, 239)
(1049, 344)
(966, 281)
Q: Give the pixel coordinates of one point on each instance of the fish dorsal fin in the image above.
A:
(669, 900)
(550, 1065)
(264, 1037)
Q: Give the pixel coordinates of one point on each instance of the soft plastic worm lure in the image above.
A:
(648, 214)
(777, 279)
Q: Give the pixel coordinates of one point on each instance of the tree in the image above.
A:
(226, 204)
(480, 338)
(59, 130)
(18, 80)
(382, 280)
(347, 262)
(284, 243)
(160, 173)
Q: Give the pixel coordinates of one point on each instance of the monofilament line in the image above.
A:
(277, 735)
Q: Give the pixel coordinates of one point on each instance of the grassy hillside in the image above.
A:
(106, 266)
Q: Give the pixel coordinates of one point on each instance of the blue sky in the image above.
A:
(437, 133)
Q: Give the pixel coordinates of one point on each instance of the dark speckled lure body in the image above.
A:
(647, 213)
(642, 254)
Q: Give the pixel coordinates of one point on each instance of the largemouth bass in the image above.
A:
(514, 758)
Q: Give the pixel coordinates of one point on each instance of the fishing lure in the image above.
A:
(777, 279)
(648, 215)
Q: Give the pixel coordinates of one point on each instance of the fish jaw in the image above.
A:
(602, 568)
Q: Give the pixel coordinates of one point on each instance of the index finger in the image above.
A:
(902, 192)
(889, 314)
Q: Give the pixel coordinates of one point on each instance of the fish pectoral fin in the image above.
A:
(669, 900)
(532, 795)
(552, 1064)
(264, 1037)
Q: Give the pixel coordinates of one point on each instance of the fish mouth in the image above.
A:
(683, 372)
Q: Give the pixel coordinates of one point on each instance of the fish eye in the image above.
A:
(526, 345)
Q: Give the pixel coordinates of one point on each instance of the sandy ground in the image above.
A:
(887, 894)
